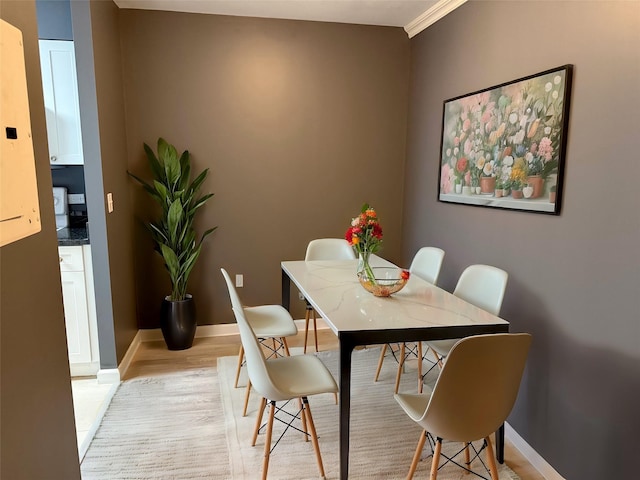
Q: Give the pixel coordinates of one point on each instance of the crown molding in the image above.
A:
(431, 16)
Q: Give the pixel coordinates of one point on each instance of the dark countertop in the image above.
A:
(73, 236)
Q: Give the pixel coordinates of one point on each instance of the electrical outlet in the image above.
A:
(239, 281)
(75, 198)
(300, 296)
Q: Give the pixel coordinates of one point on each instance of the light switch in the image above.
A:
(110, 202)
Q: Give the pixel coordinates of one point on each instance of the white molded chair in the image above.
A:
(268, 322)
(484, 287)
(426, 264)
(486, 368)
(324, 249)
(283, 379)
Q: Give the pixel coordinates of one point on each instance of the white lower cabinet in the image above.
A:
(79, 309)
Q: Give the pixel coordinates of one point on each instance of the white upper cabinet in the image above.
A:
(60, 88)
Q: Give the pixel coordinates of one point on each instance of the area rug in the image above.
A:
(168, 426)
(383, 438)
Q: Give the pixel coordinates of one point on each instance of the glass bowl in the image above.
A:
(385, 281)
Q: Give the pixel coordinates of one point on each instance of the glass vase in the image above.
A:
(364, 268)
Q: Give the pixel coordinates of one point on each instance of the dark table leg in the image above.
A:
(500, 444)
(346, 349)
(286, 290)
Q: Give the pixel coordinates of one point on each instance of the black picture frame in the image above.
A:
(504, 146)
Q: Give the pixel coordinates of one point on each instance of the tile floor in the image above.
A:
(90, 402)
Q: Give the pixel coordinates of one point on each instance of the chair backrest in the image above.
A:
(256, 363)
(233, 293)
(329, 249)
(477, 386)
(483, 286)
(427, 263)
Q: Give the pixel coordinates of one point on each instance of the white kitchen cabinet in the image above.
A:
(79, 309)
(61, 102)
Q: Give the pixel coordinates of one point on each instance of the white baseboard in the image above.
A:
(84, 369)
(534, 458)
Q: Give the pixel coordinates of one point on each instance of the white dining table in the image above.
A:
(420, 311)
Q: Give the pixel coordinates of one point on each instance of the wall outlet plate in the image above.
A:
(75, 198)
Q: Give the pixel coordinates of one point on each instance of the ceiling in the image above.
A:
(413, 15)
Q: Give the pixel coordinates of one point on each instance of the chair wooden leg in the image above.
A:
(467, 457)
(263, 404)
(306, 328)
(436, 460)
(303, 419)
(416, 456)
(438, 359)
(400, 366)
(491, 460)
(382, 352)
(267, 441)
(240, 359)
(314, 436)
(247, 393)
(285, 345)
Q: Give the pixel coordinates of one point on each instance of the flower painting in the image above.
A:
(504, 146)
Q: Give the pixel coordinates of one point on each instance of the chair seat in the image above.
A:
(414, 404)
(442, 347)
(300, 376)
(270, 321)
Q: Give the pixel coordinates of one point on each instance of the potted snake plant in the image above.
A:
(174, 236)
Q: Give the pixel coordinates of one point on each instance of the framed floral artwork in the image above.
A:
(504, 146)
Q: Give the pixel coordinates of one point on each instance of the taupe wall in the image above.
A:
(36, 412)
(299, 123)
(574, 278)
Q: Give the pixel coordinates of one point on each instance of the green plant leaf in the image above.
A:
(198, 181)
(174, 218)
(148, 188)
(185, 168)
(170, 260)
(156, 168)
(201, 201)
(161, 190)
(169, 158)
(190, 261)
(158, 233)
(207, 233)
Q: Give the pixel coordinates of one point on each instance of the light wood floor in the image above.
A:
(153, 358)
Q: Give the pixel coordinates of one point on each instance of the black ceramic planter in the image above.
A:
(178, 322)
